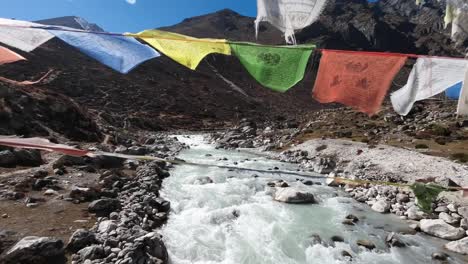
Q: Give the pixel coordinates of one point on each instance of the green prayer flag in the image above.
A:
(426, 194)
(275, 67)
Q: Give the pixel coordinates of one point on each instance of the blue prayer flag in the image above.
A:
(453, 92)
(119, 53)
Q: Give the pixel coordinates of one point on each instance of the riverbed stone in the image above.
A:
(463, 211)
(294, 195)
(35, 250)
(80, 239)
(458, 246)
(103, 207)
(365, 243)
(381, 206)
(448, 218)
(439, 228)
(414, 213)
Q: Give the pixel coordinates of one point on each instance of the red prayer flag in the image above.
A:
(8, 56)
(41, 144)
(357, 79)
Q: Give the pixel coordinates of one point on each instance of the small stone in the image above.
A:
(464, 223)
(337, 239)
(381, 206)
(348, 222)
(463, 211)
(293, 195)
(32, 205)
(50, 192)
(447, 218)
(346, 254)
(459, 246)
(4, 215)
(402, 198)
(439, 256)
(354, 218)
(452, 208)
(365, 243)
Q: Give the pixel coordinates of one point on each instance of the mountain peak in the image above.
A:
(72, 22)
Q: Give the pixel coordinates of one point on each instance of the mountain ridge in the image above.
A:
(161, 94)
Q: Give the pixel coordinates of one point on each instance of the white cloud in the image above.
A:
(132, 2)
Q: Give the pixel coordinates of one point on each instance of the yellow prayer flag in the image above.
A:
(186, 50)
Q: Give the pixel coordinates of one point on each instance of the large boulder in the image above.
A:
(28, 157)
(293, 195)
(35, 250)
(7, 159)
(92, 252)
(459, 246)
(438, 228)
(80, 239)
(381, 206)
(103, 207)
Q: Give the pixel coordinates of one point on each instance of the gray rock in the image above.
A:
(365, 243)
(92, 252)
(452, 208)
(459, 246)
(83, 194)
(35, 250)
(7, 159)
(464, 223)
(28, 157)
(439, 228)
(463, 211)
(103, 207)
(439, 256)
(293, 195)
(402, 198)
(448, 218)
(80, 239)
(414, 213)
(107, 226)
(381, 206)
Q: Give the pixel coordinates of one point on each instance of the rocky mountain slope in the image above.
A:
(161, 94)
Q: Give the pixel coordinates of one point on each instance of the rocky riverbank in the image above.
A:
(429, 145)
(118, 204)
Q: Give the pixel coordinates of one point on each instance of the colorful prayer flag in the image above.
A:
(275, 67)
(16, 34)
(288, 15)
(357, 79)
(429, 77)
(462, 108)
(119, 53)
(8, 56)
(41, 144)
(185, 50)
(453, 92)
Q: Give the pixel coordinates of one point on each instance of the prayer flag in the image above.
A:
(276, 67)
(429, 77)
(358, 79)
(16, 34)
(8, 56)
(185, 50)
(119, 53)
(462, 108)
(453, 92)
(41, 144)
(288, 15)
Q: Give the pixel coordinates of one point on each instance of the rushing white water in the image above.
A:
(233, 220)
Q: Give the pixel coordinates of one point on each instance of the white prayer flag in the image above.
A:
(462, 108)
(289, 15)
(15, 33)
(429, 77)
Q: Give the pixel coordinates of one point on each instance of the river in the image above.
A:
(234, 221)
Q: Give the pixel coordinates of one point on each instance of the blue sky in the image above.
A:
(122, 15)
